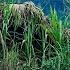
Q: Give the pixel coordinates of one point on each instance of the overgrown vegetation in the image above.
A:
(31, 41)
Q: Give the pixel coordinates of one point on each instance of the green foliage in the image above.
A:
(10, 1)
(56, 26)
(6, 18)
(53, 56)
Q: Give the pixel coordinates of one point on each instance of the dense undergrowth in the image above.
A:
(29, 40)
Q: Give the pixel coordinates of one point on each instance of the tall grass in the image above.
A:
(54, 56)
